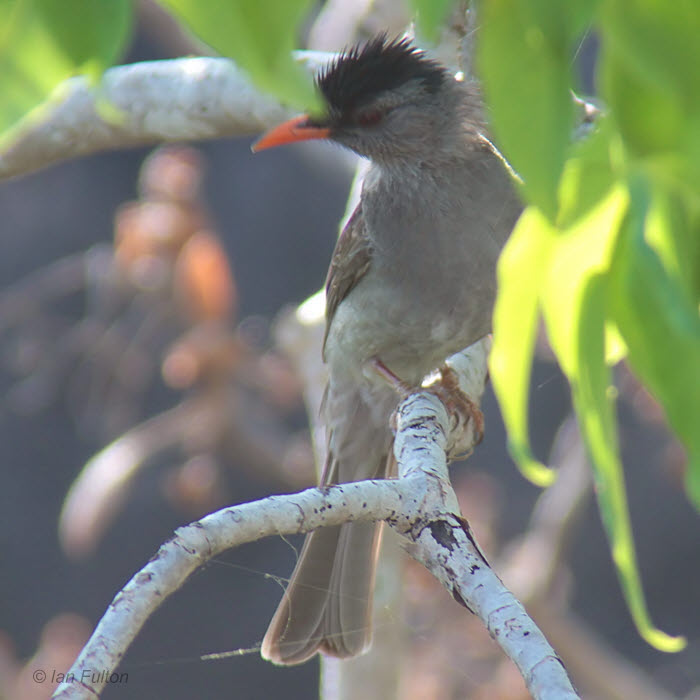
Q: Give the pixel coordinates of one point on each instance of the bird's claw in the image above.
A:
(462, 410)
(460, 407)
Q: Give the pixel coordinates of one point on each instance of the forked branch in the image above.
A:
(420, 504)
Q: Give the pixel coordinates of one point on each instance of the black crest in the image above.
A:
(365, 71)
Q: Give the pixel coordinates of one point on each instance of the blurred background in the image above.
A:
(141, 294)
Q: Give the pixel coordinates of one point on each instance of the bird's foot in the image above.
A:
(458, 402)
(462, 411)
(460, 407)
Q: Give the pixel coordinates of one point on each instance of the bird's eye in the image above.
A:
(370, 117)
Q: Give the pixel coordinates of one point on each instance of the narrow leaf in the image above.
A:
(575, 308)
(515, 318)
(43, 42)
(582, 251)
(525, 53)
(673, 232)
(91, 33)
(661, 328)
(650, 79)
(593, 402)
(260, 36)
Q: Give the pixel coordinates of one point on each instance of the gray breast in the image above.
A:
(431, 286)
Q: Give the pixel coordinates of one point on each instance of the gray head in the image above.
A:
(388, 101)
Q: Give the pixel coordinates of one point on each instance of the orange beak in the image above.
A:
(297, 129)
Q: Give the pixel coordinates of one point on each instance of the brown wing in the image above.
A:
(351, 260)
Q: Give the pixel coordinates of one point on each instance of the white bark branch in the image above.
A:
(175, 100)
(420, 504)
(185, 99)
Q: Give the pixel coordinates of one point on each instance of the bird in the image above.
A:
(412, 280)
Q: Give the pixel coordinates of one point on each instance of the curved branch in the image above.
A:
(182, 99)
(420, 504)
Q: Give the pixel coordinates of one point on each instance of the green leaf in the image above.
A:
(615, 348)
(674, 234)
(660, 326)
(582, 251)
(671, 29)
(575, 307)
(260, 36)
(614, 267)
(43, 42)
(587, 176)
(525, 53)
(520, 269)
(593, 402)
(430, 15)
(650, 78)
(649, 118)
(91, 33)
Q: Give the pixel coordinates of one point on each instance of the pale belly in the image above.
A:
(409, 329)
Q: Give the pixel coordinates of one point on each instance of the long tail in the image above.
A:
(328, 604)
